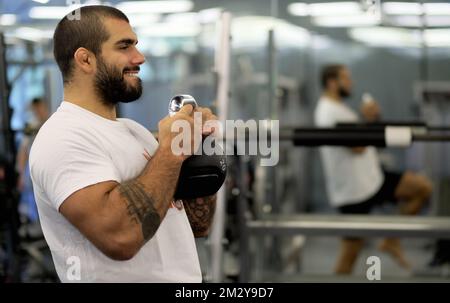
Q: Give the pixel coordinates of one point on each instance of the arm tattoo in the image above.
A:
(200, 213)
(140, 206)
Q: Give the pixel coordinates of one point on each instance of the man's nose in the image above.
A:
(138, 58)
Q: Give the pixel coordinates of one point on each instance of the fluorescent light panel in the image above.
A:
(203, 16)
(410, 8)
(157, 7)
(32, 34)
(385, 37)
(325, 9)
(402, 8)
(334, 8)
(435, 9)
(437, 37)
(397, 37)
(143, 19)
(354, 8)
(418, 21)
(169, 30)
(50, 12)
(298, 9)
(8, 19)
(346, 21)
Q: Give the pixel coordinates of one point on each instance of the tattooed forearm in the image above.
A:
(200, 213)
(141, 207)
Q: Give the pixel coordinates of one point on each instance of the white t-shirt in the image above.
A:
(350, 178)
(76, 148)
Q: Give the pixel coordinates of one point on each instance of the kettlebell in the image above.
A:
(200, 175)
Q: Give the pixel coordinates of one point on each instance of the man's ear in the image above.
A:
(84, 60)
(333, 84)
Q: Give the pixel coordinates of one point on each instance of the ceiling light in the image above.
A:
(286, 34)
(409, 8)
(335, 8)
(437, 37)
(157, 7)
(189, 17)
(143, 19)
(402, 8)
(32, 34)
(8, 19)
(419, 21)
(210, 15)
(325, 9)
(169, 30)
(50, 12)
(386, 37)
(346, 21)
(298, 9)
(437, 8)
(57, 12)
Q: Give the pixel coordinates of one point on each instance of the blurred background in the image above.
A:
(399, 52)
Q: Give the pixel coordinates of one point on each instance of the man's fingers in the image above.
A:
(187, 109)
(206, 114)
(204, 110)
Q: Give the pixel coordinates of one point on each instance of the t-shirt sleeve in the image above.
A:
(62, 165)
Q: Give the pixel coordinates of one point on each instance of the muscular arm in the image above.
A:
(120, 218)
(200, 213)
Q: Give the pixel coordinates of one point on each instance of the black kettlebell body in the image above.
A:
(200, 175)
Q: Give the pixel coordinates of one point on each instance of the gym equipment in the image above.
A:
(379, 136)
(353, 225)
(418, 127)
(325, 225)
(17, 249)
(9, 220)
(372, 125)
(200, 175)
(179, 101)
(388, 136)
(7, 146)
(274, 225)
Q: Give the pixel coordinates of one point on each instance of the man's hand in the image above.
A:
(165, 134)
(200, 211)
(205, 125)
(370, 111)
(209, 121)
(358, 149)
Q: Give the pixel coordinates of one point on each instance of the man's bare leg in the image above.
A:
(349, 251)
(414, 190)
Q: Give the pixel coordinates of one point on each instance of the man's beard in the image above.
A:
(343, 93)
(112, 87)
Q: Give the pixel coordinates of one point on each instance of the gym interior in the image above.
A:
(263, 61)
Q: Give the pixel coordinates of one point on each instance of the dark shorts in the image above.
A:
(385, 194)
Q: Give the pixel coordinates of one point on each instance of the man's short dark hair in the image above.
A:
(330, 72)
(88, 32)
